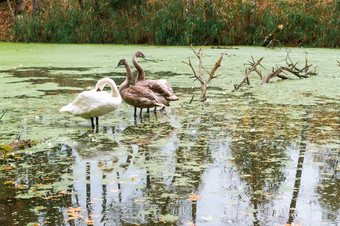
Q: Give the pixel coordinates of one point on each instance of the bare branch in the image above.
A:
(194, 51)
(258, 72)
(217, 65)
(198, 78)
(247, 74)
(272, 75)
(200, 66)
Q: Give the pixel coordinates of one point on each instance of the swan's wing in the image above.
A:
(86, 98)
(142, 95)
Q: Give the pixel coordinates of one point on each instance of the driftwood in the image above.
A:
(199, 77)
(253, 68)
(291, 67)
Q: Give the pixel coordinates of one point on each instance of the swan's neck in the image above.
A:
(127, 82)
(101, 84)
(141, 73)
(114, 90)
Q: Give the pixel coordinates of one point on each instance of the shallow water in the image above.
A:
(264, 155)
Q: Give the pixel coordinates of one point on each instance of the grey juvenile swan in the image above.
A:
(160, 86)
(138, 96)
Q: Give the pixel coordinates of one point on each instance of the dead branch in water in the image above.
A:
(291, 67)
(253, 68)
(199, 77)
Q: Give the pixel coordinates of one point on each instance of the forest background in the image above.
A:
(307, 23)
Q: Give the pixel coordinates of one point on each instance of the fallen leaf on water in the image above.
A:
(49, 179)
(89, 221)
(20, 186)
(193, 197)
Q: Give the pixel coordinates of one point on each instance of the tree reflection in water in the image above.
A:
(219, 164)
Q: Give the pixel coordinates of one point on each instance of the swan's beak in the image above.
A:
(144, 57)
(117, 65)
(98, 90)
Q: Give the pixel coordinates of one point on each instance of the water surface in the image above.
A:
(264, 155)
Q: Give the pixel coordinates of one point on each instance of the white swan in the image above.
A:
(94, 103)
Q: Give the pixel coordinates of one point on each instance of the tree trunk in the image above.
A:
(20, 6)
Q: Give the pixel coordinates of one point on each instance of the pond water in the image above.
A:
(263, 155)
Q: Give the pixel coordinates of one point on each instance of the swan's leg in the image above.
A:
(140, 112)
(155, 109)
(92, 123)
(97, 120)
(162, 109)
(135, 114)
(148, 110)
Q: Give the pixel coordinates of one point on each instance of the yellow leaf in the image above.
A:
(193, 197)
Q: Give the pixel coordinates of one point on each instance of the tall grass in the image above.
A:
(182, 22)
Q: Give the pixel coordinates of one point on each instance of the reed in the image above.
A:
(183, 22)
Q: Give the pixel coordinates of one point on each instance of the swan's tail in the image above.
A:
(66, 108)
(161, 105)
(172, 98)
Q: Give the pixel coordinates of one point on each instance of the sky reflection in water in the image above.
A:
(235, 160)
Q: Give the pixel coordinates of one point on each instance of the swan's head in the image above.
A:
(121, 62)
(102, 82)
(141, 55)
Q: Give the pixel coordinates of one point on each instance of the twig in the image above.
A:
(4, 112)
(192, 98)
(258, 72)
(199, 79)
